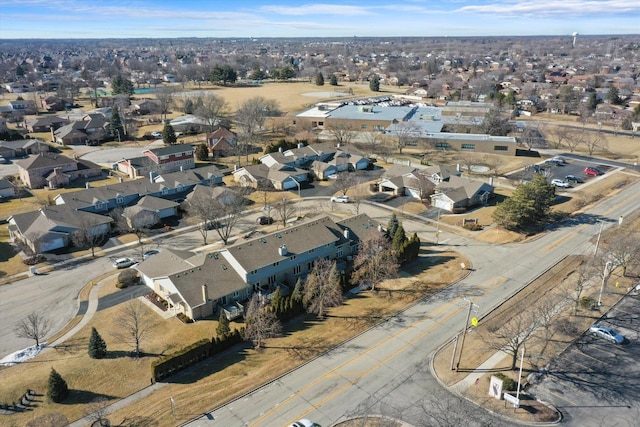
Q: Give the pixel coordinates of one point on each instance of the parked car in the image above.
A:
(152, 252)
(573, 178)
(593, 171)
(554, 162)
(560, 183)
(156, 134)
(340, 199)
(304, 423)
(3, 160)
(607, 333)
(214, 225)
(264, 220)
(124, 262)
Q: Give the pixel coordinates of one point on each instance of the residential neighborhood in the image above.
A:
(216, 217)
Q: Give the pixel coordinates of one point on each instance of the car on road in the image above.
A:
(264, 220)
(573, 178)
(124, 262)
(560, 183)
(607, 333)
(152, 252)
(340, 199)
(593, 171)
(305, 423)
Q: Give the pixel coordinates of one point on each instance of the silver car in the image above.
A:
(607, 333)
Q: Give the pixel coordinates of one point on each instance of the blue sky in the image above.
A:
(326, 18)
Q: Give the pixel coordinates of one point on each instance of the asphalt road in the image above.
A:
(383, 370)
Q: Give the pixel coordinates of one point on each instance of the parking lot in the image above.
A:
(571, 167)
(596, 382)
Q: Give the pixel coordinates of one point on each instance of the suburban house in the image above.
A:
(159, 160)
(460, 194)
(172, 186)
(54, 170)
(52, 227)
(22, 148)
(221, 142)
(45, 123)
(148, 211)
(7, 190)
(201, 285)
(25, 106)
(188, 124)
(279, 177)
(411, 181)
(224, 195)
(90, 128)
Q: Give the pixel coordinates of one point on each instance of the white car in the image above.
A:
(156, 134)
(340, 199)
(560, 183)
(304, 423)
(124, 262)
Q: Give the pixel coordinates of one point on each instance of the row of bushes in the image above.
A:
(196, 352)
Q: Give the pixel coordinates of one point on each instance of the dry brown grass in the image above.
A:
(557, 283)
(594, 192)
(119, 375)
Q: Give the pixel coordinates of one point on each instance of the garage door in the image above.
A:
(289, 184)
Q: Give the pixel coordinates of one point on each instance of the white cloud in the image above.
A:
(317, 9)
(541, 8)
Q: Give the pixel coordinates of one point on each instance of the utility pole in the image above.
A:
(464, 332)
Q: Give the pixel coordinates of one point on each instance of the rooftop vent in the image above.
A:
(282, 250)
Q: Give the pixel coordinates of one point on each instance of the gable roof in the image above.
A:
(44, 160)
(170, 149)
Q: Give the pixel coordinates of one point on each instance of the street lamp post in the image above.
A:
(595, 252)
(464, 332)
(607, 266)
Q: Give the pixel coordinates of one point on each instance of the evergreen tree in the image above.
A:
(613, 96)
(223, 330)
(399, 237)
(168, 134)
(528, 206)
(333, 80)
(374, 84)
(188, 107)
(19, 71)
(202, 152)
(257, 73)
(115, 125)
(319, 79)
(592, 102)
(121, 86)
(392, 225)
(57, 389)
(97, 346)
(224, 74)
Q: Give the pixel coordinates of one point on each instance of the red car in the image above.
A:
(593, 171)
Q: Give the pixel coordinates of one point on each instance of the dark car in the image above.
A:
(573, 178)
(264, 220)
(593, 171)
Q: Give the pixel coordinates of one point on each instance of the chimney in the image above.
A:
(380, 228)
(87, 185)
(205, 293)
(279, 149)
(181, 168)
(300, 144)
(282, 250)
(345, 232)
(491, 181)
(458, 167)
(120, 179)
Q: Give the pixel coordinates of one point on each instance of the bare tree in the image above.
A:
(89, 233)
(251, 115)
(211, 108)
(405, 133)
(581, 277)
(469, 160)
(261, 322)
(424, 185)
(344, 181)
(285, 209)
(445, 409)
(164, 96)
(201, 212)
(342, 133)
(359, 192)
(322, 288)
(36, 326)
(137, 223)
(134, 324)
(97, 411)
(375, 261)
(622, 248)
(220, 213)
(493, 162)
(593, 141)
(511, 335)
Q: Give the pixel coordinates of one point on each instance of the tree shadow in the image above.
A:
(137, 421)
(83, 397)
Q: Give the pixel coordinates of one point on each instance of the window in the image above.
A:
(277, 263)
(468, 146)
(320, 124)
(309, 266)
(500, 148)
(311, 250)
(297, 269)
(378, 127)
(119, 200)
(99, 206)
(292, 258)
(165, 190)
(442, 145)
(340, 252)
(363, 127)
(271, 279)
(236, 294)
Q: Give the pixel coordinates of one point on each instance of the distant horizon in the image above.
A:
(286, 19)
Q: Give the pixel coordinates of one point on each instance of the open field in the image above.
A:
(119, 375)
